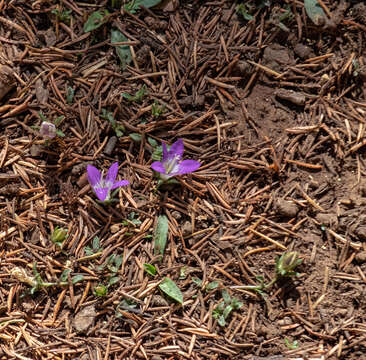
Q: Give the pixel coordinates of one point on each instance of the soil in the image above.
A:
(273, 107)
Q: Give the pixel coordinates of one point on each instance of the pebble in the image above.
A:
(286, 208)
(84, 319)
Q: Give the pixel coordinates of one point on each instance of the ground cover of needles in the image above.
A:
(268, 96)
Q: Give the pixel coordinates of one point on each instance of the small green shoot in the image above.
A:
(150, 269)
(134, 5)
(100, 290)
(62, 15)
(70, 95)
(135, 137)
(156, 109)
(131, 220)
(123, 51)
(244, 10)
(139, 95)
(225, 307)
(96, 248)
(58, 236)
(118, 129)
(197, 281)
(291, 346)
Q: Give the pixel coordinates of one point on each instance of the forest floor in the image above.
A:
(270, 99)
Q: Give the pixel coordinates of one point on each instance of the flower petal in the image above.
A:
(101, 193)
(94, 175)
(158, 166)
(120, 183)
(112, 174)
(187, 166)
(165, 152)
(176, 150)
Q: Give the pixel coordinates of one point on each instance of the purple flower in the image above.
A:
(47, 130)
(172, 163)
(102, 187)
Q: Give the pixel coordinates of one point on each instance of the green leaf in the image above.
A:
(212, 285)
(236, 304)
(221, 320)
(152, 142)
(77, 278)
(95, 20)
(227, 311)
(161, 235)
(150, 269)
(70, 95)
(60, 133)
(168, 287)
(134, 5)
(123, 51)
(226, 296)
(65, 274)
(96, 243)
(158, 153)
(135, 137)
(197, 281)
(100, 290)
(113, 280)
(314, 11)
(244, 12)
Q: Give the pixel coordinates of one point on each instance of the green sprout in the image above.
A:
(58, 236)
(62, 15)
(139, 95)
(157, 109)
(118, 129)
(100, 290)
(284, 268)
(291, 346)
(225, 307)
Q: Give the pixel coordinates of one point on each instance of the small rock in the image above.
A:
(286, 208)
(41, 92)
(303, 51)
(361, 257)
(84, 319)
(111, 144)
(291, 96)
(187, 228)
(361, 233)
(327, 219)
(114, 228)
(35, 150)
(176, 215)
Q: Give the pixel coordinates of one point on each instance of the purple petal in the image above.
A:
(187, 166)
(120, 183)
(112, 174)
(101, 193)
(165, 152)
(176, 150)
(158, 166)
(94, 175)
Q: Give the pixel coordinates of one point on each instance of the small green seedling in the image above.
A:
(118, 129)
(291, 346)
(139, 95)
(58, 236)
(225, 307)
(62, 15)
(95, 248)
(156, 109)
